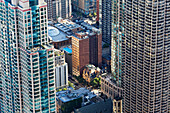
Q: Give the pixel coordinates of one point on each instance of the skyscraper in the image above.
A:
(117, 32)
(59, 8)
(106, 21)
(86, 7)
(27, 60)
(146, 56)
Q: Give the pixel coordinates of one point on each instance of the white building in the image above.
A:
(61, 71)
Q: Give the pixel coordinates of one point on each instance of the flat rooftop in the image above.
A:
(67, 25)
(56, 35)
(68, 95)
(109, 78)
(68, 50)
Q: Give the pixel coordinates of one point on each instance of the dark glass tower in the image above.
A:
(146, 56)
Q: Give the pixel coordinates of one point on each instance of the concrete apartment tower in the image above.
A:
(59, 8)
(146, 56)
(27, 60)
(86, 7)
(106, 21)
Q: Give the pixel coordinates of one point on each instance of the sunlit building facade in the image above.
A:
(146, 56)
(58, 8)
(27, 61)
(117, 32)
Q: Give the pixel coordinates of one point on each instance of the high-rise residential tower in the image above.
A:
(106, 21)
(85, 6)
(146, 56)
(27, 60)
(117, 32)
(59, 8)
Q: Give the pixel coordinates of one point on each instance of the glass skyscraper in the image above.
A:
(27, 60)
(146, 56)
(117, 32)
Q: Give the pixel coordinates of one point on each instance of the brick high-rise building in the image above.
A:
(80, 54)
(87, 49)
(86, 44)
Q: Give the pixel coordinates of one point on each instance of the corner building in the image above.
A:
(27, 60)
(146, 56)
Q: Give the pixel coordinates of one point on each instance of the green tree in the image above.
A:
(59, 90)
(70, 84)
(90, 15)
(95, 14)
(96, 82)
(64, 89)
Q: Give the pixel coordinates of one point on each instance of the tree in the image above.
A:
(96, 82)
(90, 15)
(95, 14)
(59, 90)
(70, 84)
(64, 89)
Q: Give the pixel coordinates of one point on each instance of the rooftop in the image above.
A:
(92, 68)
(109, 78)
(68, 95)
(56, 35)
(80, 30)
(66, 25)
(68, 50)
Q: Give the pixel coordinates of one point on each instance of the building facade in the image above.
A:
(27, 60)
(58, 8)
(85, 6)
(116, 38)
(117, 105)
(66, 8)
(61, 71)
(110, 87)
(146, 56)
(86, 48)
(106, 21)
(80, 55)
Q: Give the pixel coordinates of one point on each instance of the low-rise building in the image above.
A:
(58, 37)
(90, 72)
(106, 60)
(69, 100)
(68, 56)
(110, 87)
(113, 90)
(87, 48)
(82, 101)
(104, 106)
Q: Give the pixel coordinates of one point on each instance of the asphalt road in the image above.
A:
(75, 82)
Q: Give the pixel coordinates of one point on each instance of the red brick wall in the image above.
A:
(83, 53)
(100, 50)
